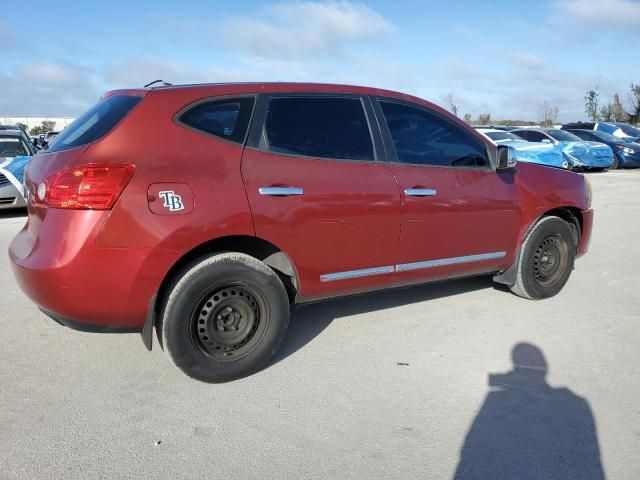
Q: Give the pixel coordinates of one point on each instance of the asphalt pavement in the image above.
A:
(414, 383)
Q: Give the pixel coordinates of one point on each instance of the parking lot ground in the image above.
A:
(386, 385)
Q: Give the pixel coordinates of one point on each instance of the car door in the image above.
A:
(320, 191)
(458, 215)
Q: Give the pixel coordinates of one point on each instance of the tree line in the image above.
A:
(596, 110)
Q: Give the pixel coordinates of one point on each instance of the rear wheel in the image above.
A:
(546, 259)
(225, 317)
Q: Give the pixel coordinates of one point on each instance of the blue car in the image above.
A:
(623, 131)
(15, 154)
(580, 155)
(541, 153)
(626, 154)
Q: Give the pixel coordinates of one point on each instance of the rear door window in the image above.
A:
(227, 119)
(320, 127)
(94, 123)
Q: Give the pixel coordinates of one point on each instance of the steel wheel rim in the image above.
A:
(229, 321)
(550, 260)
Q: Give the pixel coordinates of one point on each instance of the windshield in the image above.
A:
(563, 136)
(13, 147)
(94, 123)
(497, 136)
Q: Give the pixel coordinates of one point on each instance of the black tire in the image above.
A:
(546, 259)
(616, 163)
(224, 318)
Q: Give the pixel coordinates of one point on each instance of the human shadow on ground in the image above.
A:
(528, 430)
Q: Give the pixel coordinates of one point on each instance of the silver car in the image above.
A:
(15, 151)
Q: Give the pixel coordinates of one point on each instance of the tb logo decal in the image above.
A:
(172, 201)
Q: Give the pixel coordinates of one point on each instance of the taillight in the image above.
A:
(90, 187)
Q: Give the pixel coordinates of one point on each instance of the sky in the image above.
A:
(507, 58)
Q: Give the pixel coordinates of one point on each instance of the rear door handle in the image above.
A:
(280, 191)
(420, 192)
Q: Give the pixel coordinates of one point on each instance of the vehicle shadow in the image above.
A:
(528, 430)
(13, 213)
(308, 321)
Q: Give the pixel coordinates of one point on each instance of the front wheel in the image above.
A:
(546, 259)
(225, 317)
(616, 163)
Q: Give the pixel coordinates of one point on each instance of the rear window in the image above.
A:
(94, 123)
(319, 127)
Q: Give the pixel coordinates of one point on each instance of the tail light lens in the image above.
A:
(90, 187)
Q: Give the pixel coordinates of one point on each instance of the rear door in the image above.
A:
(458, 215)
(320, 191)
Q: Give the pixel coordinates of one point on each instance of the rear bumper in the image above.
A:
(585, 237)
(77, 283)
(88, 327)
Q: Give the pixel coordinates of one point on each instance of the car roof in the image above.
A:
(267, 87)
(490, 130)
(11, 133)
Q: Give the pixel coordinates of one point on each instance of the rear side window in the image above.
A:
(94, 123)
(227, 119)
(424, 138)
(321, 127)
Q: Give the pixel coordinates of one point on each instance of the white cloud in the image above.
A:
(612, 13)
(46, 89)
(294, 30)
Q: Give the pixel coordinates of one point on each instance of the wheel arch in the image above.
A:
(265, 251)
(571, 215)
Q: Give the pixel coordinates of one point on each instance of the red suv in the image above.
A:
(207, 211)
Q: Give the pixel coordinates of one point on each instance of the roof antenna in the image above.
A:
(164, 84)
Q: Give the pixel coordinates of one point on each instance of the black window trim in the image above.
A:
(257, 138)
(388, 141)
(218, 98)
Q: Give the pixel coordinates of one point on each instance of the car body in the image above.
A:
(505, 128)
(621, 130)
(627, 154)
(578, 153)
(266, 195)
(15, 153)
(541, 153)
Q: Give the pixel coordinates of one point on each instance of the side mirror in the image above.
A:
(545, 140)
(506, 157)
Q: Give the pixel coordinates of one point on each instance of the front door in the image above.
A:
(318, 192)
(459, 216)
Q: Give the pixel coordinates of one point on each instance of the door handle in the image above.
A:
(280, 191)
(420, 192)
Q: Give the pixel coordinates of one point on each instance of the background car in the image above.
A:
(621, 130)
(542, 153)
(625, 154)
(578, 153)
(15, 153)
